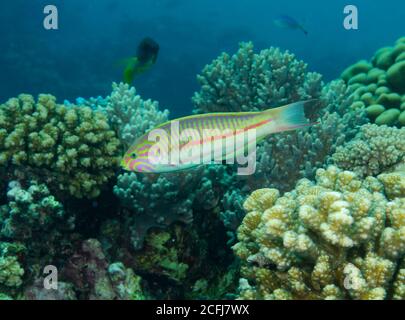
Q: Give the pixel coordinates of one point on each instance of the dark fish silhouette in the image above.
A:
(287, 22)
(146, 56)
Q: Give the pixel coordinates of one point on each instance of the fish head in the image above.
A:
(148, 162)
(144, 158)
(132, 162)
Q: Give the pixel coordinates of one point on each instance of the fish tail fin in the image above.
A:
(130, 69)
(291, 116)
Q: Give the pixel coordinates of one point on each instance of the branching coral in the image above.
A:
(374, 150)
(32, 214)
(71, 147)
(338, 238)
(284, 158)
(247, 81)
(131, 116)
(156, 201)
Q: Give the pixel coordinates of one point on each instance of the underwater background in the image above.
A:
(80, 59)
(322, 217)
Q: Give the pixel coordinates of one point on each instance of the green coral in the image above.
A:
(32, 214)
(4, 296)
(379, 85)
(374, 150)
(161, 256)
(71, 147)
(130, 115)
(34, 227)
(247, 81)
(126, 283)
(337, 238)
(11, 272)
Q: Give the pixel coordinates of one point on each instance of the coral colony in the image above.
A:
(322, 217)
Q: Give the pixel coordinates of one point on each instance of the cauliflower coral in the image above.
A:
(339, 238)
(71, 146)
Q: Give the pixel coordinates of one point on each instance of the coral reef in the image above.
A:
(11, 272)
(247, 81)
(160, 257)
(34, 215)
(36, 291)
(156, 201)
(284, 158)
(174, 258)
(71, 148)
(193, 234)
(374, 150)
(129, 115)
(339, 238)
(35, 231)
(95, 279)
(380, 85)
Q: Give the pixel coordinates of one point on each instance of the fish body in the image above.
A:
(133, 68)
(146, 57)
(288, 22)
(208, 136)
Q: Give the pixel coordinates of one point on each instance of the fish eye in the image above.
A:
(133, 155)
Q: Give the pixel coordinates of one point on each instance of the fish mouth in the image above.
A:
(124, 163)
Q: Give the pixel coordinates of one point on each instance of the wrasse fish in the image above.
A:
(287, 22)
(188, 136)
(146, 56)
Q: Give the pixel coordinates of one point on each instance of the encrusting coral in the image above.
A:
(374, 150)
(380, 85)
(71, 148)
(339, 238)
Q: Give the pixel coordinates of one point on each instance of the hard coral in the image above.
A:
(248, 81)
(380, 85)
(374, 150)
(156, 201)
(130, 115)
(338, 238)
(73, 147)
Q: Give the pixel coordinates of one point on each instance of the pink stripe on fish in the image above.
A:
(132, 164)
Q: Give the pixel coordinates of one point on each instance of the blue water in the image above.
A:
(80, 59)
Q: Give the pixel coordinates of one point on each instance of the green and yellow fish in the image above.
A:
(146, 56)
(188, 136)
